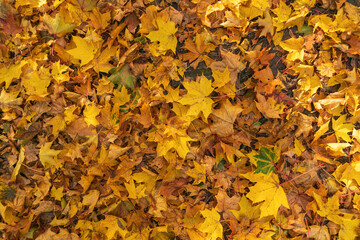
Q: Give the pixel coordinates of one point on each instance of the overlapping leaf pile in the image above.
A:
(179, 119)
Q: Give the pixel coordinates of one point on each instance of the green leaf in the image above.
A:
(306, 30)
(265, 161)
(123, 77)
(58, 24)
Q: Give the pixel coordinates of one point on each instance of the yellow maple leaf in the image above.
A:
(36, 82)
(197, 98)
(212, 225)
(262, 5)
(165, 35)
(85, 50)
(121, 97)
(268, 191)
(90, 113)
(9, 73)
(48, 155)
(295, 48)
(101, 63)
(179, 143)
(283, 12)
(321, 131)
(58, 124)
(341, 129)
(349, 229)
(172, 94)
(330, 209)
(59, 72)
(246, 210)
(142, 234)
(57, 193)
(113, 225)
(326, 69)
(221, 78)
(104, 159)
(134, 191)
(198, 49)
(69, 115)
(147, 177)
(198, 173)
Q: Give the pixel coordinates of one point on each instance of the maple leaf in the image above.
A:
(197, 97)
(113, 226)
(123, 77)
(330, 209)
(57, 193)
(246, 210)
(347, 173)
(36, 82)
(91, 199)
(179, 143)
(221, 78)
(101, 62)
(321, 131)
(11, 72)
(266, 160)
(198, 173)
(59, 222)
(226, 203)
(59, 72)
(9, 99)
(104, 158)
(212, 225)
(121, 97)
(283, 12)
(341, 129)
(90, 113)
(349, 229)
(58, 124)
(135, 192)
(268, 191)
(224, 118)
(141, 234)
(165, 35)
(266, 23)
(48, 155)
(231, 61)
(197, 50)
(57, 25)
(295, 48)
(84, 50)
(268, 106)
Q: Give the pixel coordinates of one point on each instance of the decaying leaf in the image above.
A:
(179, 119)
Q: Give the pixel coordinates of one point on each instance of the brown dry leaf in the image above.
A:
(218, 92)
(226, 203)
(91, 199)
(267, 106)
(231, 61)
